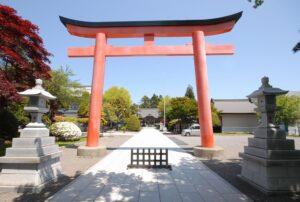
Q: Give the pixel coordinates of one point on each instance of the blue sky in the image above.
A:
(263, 39)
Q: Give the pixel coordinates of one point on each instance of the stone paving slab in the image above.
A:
(110, 180)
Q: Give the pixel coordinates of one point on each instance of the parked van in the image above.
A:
(192, 130)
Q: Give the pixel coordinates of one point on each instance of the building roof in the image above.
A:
(234, 106)
(293, 93)
(144, 112)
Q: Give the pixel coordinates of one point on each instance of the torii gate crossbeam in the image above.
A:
(197, 29)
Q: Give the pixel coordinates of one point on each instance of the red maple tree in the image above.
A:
(23, 57)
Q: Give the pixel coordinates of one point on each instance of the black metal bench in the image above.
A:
(149, 158)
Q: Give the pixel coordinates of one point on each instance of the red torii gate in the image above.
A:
(196, 29)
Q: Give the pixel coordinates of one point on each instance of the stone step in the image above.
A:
(268, 132)
(31, 152)
(271, 162)
(33, 142)
(27, 181)
(271, 144)
(28, 160)
(273, 154)
(28, 167)
(34, 132)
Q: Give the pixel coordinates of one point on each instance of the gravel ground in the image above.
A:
(72, 167)
(230, 165)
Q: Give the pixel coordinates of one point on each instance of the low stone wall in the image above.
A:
(238, 129)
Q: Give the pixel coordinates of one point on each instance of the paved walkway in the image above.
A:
(110, 180)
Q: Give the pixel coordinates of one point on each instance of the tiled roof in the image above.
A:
(144, 112)
(291, 93)
(234, 106)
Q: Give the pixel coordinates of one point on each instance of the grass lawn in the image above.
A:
(60, 143)
(246, 134)
(64, 143)
(233, 134)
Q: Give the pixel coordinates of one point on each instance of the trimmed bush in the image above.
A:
(8, 124)
(46, 120)
(133, 123)
(65, 131)
(58, 118)
(65, 119)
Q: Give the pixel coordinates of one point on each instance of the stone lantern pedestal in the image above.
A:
(270, 161)
(34, 159)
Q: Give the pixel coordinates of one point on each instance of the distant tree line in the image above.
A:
(152, 102)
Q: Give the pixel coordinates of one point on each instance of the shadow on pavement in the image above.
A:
(231, 168)
(49, 190)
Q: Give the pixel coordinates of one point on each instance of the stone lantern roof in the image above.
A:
(38, 90)
(266, 89)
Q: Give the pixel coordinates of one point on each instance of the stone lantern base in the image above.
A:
(271, 163)
(271, 176)
(31, 162)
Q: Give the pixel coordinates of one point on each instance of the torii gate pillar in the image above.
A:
(148, 30)
(204, 110)
(97, 91)
(92, 147)
(207, 148)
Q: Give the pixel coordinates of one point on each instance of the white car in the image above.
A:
(192, 130)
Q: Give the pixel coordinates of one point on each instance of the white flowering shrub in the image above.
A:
(65, 131)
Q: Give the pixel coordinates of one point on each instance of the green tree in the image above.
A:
(288, 110)
(184, 109)
(61, 86)
(154, 100)
(117, 104)
(145, 102)
(133, 123)
(215, 115)
(11, 117)
(134, 108)
(84, 109)
(190, 92)
(84, 105)
(9, 124)
(18, 111)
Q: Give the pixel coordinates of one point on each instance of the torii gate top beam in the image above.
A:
(132, 29)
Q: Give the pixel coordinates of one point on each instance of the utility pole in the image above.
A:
(164, 113)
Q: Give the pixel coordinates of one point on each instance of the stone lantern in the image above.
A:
(265, 100)
(34, 159)
(270, 161)
(37, 104)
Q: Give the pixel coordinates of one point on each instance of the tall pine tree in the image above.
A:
(190, 92)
